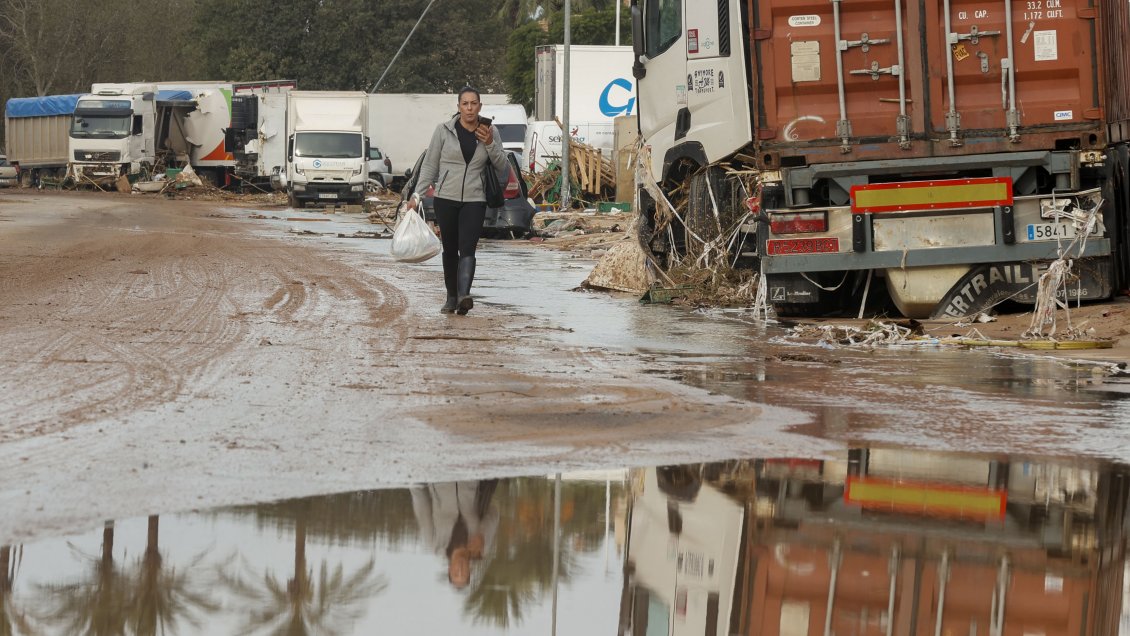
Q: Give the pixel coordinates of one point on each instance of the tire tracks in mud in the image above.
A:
(102, 323)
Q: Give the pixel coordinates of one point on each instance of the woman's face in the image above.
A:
(469, 108)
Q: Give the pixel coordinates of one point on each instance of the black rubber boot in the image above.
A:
(450, 269)
(465, 277)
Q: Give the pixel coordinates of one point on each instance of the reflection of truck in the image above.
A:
(401, 124)
(685, 551)
(945, 147)
(904, 542)
(327, 146)
(878, 543)
(128, 129)
(37, 135)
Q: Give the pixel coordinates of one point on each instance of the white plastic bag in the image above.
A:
(412, 240)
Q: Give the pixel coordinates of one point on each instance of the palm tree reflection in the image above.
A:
(12, 621)
(519, 573)
(164, 596)
(328, 604)
(97, 604)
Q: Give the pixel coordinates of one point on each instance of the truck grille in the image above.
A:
(97, 155)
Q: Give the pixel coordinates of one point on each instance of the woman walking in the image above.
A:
(460, 150)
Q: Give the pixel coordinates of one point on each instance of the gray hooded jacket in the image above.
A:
(454, 178)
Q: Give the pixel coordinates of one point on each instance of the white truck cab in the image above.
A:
(327, 146)
(121, 128)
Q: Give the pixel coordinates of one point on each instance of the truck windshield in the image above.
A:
(327, 145)
(512, 133)
(100, 127)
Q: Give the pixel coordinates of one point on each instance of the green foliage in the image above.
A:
(520, 78)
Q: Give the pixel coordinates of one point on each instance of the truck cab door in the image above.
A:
(661, 74)
(717, 82)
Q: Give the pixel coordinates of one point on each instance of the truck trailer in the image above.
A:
(952, 149)
(38, 130)
(327, 146)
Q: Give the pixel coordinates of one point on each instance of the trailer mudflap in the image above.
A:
(792, 288)
(987, 285)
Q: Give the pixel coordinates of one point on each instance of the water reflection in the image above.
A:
(877, 541)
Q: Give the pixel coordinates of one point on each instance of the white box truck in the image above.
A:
(601, 86)
(511, 121)
(327, 146)
(401, 124)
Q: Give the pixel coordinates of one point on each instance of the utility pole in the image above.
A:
(566, 200)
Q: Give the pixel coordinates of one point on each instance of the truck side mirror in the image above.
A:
(367, 150)
(638, 69)
(229, 140)
(290, 148)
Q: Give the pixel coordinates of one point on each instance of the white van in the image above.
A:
(543, 141)
(510, 119)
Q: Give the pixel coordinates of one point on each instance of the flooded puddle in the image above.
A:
(873, 541)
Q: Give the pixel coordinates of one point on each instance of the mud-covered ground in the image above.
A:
(161, 356)
(164, 355)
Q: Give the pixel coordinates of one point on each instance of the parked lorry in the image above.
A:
(401, 124)
(951, 148)
(128, 129)
(37, 133)
(327, 146)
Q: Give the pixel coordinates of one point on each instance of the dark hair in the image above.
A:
(469, 89)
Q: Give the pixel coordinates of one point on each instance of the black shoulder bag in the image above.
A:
(492, 188)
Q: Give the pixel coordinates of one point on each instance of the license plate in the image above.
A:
(327, 195)
(781, 247)
(1050, 231)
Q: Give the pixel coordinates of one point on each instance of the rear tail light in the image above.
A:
(512, 191)
(799, 222)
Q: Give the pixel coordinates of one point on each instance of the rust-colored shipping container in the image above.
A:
(889, 79)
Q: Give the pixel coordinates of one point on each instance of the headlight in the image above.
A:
(357, 188)
(298, 187)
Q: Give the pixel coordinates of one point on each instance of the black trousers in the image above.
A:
(460, 226)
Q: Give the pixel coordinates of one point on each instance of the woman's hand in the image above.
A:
(485, 134)
(413, 202)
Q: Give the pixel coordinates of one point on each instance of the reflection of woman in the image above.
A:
(460, 150)
(458, 521)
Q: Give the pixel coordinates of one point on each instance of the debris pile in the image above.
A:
(592, 177)
(701, 248)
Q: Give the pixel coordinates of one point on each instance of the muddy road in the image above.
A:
(167, 356)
